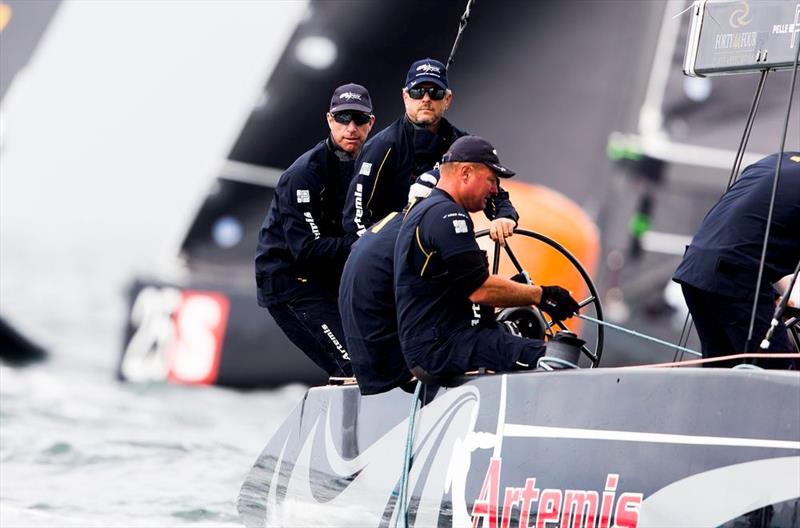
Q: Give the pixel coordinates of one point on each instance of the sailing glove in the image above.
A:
(558, 303)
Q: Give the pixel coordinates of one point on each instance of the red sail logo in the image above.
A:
(552, 508)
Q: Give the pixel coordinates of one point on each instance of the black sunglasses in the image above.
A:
(344, 118)
(437, 94)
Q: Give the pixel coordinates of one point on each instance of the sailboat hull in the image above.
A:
(599, 448)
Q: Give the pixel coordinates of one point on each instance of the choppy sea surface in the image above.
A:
(77, 447)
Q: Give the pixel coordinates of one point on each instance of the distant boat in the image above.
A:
(16, 349)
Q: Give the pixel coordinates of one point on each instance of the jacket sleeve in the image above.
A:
(371, 167)
(300, 218)
(500, 206)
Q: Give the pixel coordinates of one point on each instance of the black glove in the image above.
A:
(558, 303)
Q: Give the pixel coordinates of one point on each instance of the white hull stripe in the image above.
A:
(535, 431)
(501, 417)
(715, 497)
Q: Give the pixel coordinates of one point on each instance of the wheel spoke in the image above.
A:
(586, 301)
(589, 353)
(513, 258)
(496, 258)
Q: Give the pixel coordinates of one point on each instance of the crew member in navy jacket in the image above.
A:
(366, 299)
(302, 246)
(395, 157)
(440, 275)
(369, 316)
(719, 271)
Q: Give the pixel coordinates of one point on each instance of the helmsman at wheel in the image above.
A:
(302, 246)
(440, 273)
(366, 297)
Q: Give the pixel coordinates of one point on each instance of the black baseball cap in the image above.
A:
(427, 70)
(475, 149)
(351, 96)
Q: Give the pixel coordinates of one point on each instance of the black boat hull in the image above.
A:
(600, 448)
(207, 333)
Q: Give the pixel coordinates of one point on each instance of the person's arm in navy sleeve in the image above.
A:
(448, 232)
(503, 216)
(370, 167)
(301, 222)
(500, 206)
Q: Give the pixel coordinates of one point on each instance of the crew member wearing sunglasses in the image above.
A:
(408, 151)
(302, 246)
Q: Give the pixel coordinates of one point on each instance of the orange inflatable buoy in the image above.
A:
(5, 15)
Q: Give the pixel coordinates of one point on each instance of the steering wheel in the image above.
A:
(593, 299)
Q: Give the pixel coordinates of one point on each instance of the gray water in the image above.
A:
(78, 448)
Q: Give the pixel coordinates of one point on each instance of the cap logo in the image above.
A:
(494, 151)
(428, 68)
(350, 96)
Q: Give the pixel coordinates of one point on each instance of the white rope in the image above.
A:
(640, 335)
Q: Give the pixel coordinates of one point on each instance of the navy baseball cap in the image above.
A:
(353, 97)
(427, 70)
(475, 149)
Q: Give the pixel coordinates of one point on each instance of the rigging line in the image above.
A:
(688, 323)
(402, 501)
(638, 334)
(775, 180)
(748, 127)
(686, 339)
(461, 27)
(737, 163)
(684, 335)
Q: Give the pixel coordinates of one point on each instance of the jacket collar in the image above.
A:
(337, 151)
(445, 128)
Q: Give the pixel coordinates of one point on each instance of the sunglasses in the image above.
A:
(344, 118)
(437, 94)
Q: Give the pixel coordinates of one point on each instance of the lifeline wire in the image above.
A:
(751, 117)
(638, 334)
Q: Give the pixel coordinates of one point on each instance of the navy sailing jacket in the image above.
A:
(390, 162)
(366, 303)
(301, 239)
(724, 254)
(432, 301)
